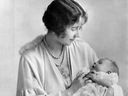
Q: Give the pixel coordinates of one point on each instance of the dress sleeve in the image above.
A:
(27, 84)
(90, 54)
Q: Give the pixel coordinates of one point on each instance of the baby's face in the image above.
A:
(102, 66)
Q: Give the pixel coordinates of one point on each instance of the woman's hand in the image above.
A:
(77, 83)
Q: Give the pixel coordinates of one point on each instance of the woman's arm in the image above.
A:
(77, 83)
(28, 84)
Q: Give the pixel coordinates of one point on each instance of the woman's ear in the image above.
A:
(62, 35)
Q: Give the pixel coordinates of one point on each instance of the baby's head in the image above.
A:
(105, 65)
(105, 69)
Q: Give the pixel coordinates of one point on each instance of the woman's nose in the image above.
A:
(76, 35)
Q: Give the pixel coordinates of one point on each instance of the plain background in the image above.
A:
(20, 22)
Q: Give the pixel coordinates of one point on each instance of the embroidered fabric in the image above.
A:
(92, 89)
(113, 77)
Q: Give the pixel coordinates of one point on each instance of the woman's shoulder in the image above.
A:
(32, 53)
(82, 46)
(31, 47)
(81, 43)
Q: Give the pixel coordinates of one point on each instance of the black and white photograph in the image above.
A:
(63, 48)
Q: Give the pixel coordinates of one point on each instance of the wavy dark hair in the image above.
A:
(62, 13)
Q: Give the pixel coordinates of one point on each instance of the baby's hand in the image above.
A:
(91, 75)
(84, 77)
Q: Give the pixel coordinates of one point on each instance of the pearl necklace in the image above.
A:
(50, 52)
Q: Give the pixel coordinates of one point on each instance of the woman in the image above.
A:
(49, 65)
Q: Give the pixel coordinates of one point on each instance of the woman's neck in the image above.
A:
(54, 46)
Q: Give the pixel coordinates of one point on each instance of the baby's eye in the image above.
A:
(109, 72)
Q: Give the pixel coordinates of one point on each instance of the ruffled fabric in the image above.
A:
(118, 91)
(91, 89)
(112, 77)
(31, 92)
(31, 44)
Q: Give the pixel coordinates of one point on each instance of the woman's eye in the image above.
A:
(74, 28)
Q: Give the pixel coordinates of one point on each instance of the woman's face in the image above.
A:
(71, 33)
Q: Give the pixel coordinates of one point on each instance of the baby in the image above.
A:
(101, 80)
